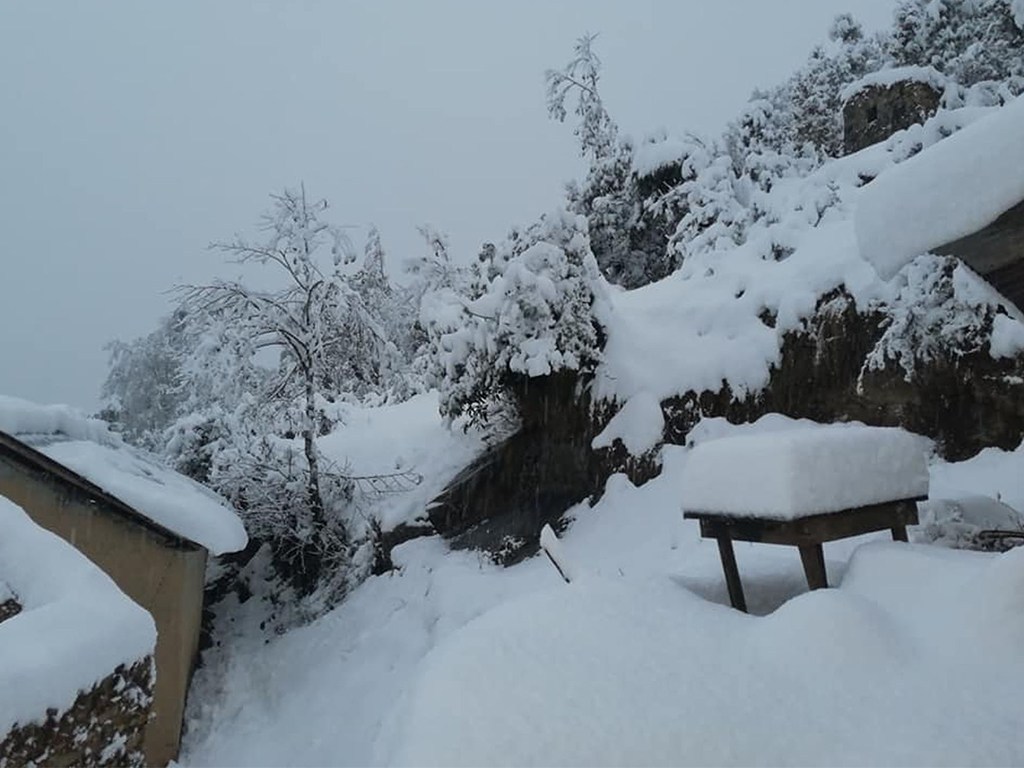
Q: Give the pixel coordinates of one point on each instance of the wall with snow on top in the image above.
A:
(74, 629)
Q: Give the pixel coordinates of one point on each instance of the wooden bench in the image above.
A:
(805, 533)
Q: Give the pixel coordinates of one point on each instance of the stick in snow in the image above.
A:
(556, 554)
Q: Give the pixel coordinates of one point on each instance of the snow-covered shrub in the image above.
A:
(943, 311)
(534, 318)
(970, 41)
(237, 385)
(609, 197)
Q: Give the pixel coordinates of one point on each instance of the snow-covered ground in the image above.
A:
(450, 659)
(402, 438)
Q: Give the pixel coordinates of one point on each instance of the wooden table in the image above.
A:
(805, 533)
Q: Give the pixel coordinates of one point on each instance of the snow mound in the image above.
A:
(889, 77)
(948, 191)
(21, 417)
(133, 476)
(409, 438)
(335, 692)
(639, 425)
(992, 472)
(606, 672)
(1007, 337)
(75, 626)
(790, 473)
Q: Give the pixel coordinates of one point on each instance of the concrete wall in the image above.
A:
(162, 575)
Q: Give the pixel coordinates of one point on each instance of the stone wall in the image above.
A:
(501, 501)
(877, 112)
(104, 726)
(163, 575)
(965, 401)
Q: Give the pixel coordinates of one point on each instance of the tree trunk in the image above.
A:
(313, 497)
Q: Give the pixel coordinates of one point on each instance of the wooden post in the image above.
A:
(732, 574)
(813, 558)
(899, 533)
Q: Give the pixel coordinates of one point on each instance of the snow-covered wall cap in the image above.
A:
(889, 77)
(75, 628)
(952, 189)
(136, 477)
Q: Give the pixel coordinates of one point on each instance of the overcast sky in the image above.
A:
(134, 134)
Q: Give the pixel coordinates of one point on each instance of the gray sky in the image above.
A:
(134, 134)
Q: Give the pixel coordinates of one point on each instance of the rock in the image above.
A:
(876, 112)
(961, 397)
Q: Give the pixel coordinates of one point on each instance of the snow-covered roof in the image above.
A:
(133, 476)
(951, 189)
(75, 627)
(889, 77)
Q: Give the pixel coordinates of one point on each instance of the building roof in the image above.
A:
(62, 441)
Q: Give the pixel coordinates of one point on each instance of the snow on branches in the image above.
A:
(533, 318)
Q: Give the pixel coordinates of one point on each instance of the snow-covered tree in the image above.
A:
(970, 41)
(608, 197)
(312, 321)
(380, 353)
(143, 391)
(534, 318)
(596, 131)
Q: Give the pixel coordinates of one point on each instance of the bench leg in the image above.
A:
(813, 558)
(732, 574)
(899, 533)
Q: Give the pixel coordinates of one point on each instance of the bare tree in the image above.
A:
(596, 131)
(306, 318)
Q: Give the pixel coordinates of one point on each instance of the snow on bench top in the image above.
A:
(889, 77)
(951, 189)
(804, 469)
(136, 477)
(913, 660)
(75, 626)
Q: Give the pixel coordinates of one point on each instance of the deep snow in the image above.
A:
(349, 689)
(641, 672)
(914, 659)
(949, 190)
